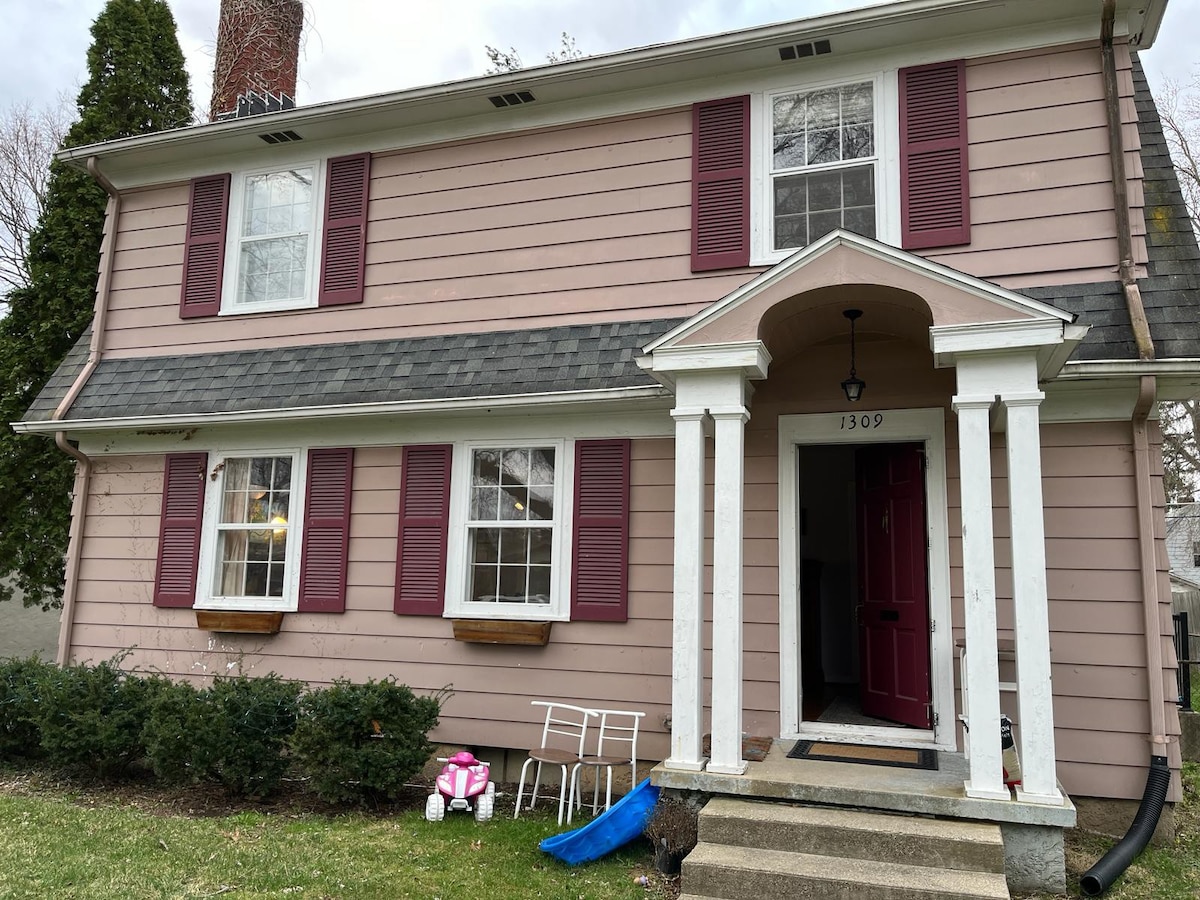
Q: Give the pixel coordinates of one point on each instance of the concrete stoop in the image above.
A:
(753, 850)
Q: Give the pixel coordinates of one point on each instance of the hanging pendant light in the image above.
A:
(853, 386)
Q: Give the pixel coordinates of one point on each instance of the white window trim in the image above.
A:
(233, 240)
(206, 579)
(887, 161)
(457, 605)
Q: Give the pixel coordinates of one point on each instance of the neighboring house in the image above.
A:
(1183, 544)
(383, 373)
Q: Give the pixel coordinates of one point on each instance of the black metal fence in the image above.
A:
(1183, 654)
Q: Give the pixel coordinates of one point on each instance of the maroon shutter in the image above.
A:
(326, 531)
(179, 529)
(204, 247)
(934, 187)
(721, 184)
(424, 526)
(600, 558)
(344, 245)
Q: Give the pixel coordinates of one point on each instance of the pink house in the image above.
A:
(539, 385)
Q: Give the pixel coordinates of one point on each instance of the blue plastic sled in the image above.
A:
(607, 832)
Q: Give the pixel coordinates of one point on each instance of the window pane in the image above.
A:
(824, 146)
(278, 203)
(858, 186)
(823, 109)
(825, 191)
(483, 503)
(857, 142)
(820, 224)
(271, 268)
(486, 545)
(514, 467)
(514, 545)
(791, 232)
(788, 113)
(809, 206)
(512, 584)
(514, 504)
(789, 150)
(540, 542)
(857, 104)
(252, 562)
(539, 584)
(483, 583)
(486, 470)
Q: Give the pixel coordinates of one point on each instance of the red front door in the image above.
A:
(893, 607)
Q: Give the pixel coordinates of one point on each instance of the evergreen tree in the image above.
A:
(136, 84)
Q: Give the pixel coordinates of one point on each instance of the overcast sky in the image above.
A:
(43, 43)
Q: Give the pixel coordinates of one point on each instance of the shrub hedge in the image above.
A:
(355, 743)
(361, 743)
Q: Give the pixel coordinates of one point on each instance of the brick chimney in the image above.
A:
(258, 50)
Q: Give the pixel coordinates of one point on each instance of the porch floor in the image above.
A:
(934, 793)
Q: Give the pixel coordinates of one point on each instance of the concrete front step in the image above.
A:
(724, 872)
(853, 834)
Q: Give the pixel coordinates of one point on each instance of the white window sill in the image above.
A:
(245, 309)
(505, 612)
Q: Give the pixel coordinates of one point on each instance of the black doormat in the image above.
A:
(866, 754)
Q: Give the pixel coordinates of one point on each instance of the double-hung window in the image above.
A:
(273, 239)
(508, 527)
(511, 524)
(250, 558)
(823, 161)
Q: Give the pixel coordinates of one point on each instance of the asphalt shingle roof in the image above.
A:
(492, 364)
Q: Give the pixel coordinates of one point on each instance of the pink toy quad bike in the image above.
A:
(464, 784)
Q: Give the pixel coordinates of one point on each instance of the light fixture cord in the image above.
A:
(853, 374)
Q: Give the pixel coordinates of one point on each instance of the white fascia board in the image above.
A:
(948, 340)
(621, 83)
(884, 252)
(541, 402)
(749, 356)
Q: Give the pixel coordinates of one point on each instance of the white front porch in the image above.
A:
(997, 364)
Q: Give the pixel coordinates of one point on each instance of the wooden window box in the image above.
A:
(491, 631)
(239, 622)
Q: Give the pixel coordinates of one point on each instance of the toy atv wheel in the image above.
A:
(485, 803)
(435, 808)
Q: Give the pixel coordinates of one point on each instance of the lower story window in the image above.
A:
(253, 529)
(510, 527)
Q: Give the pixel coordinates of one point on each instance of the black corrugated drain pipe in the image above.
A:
(1099, 878)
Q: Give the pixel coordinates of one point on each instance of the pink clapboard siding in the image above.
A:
(592, 663)
(577, 224)
(1041, 189)
(592, 222)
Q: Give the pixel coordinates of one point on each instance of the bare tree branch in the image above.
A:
(28, 138)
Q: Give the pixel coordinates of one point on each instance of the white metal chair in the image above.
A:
(616, 745)
(563, 737)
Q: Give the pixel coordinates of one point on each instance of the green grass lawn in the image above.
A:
(61, 843)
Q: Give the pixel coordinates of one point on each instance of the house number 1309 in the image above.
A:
(866, 420)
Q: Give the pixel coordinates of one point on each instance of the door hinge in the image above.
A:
(932, 625)
(935, 720)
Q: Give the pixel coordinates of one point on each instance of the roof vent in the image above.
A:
(281, 137)
(500, 101)
(803, 51)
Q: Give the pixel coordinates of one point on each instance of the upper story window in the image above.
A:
(823, 162)
(288, 236)
(273, 238)
(883, 155)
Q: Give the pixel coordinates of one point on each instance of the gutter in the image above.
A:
(647, 395)
(83, 467)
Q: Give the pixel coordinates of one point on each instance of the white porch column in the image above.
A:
(726, 757)
(1031, 618)
(687, 646)
(982, 671)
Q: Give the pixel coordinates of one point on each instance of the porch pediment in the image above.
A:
(844, 269)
